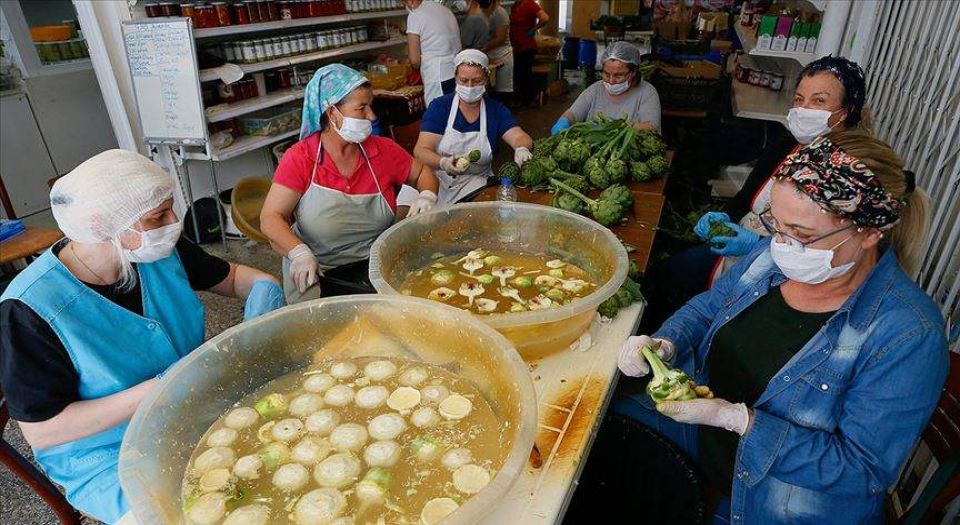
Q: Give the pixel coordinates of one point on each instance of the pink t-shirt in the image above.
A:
(391, 163)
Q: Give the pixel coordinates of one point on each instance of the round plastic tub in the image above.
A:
(168, 424)
(412, 243)
(247, 200)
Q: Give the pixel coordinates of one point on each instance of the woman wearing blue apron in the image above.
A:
(461, 122)
(335, 190)
(89, 326)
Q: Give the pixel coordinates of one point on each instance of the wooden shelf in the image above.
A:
(214, 32)
(207, 75)
(223, 112)
(749, 41)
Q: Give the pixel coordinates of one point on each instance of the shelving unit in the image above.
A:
(761, 103)
(207, 75)
(214, 32)
(248, 143)
(223, 112)
(749, 41)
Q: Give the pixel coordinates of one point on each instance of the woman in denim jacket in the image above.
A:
(825, 358)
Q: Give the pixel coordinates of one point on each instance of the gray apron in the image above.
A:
(339, 228)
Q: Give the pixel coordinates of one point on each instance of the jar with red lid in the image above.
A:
(153, 9)
(206, 15)
(253, 11)
(273, 10)
(249, 88)
(222, 13)
(169, 9)
(238, 12)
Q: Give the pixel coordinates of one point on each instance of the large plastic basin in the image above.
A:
(412, 243)
(196, 391)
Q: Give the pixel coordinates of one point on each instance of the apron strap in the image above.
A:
(316, 162)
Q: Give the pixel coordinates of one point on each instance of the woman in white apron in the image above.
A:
(439, 147)
(335, 191)
(499, 49)
(433, 38)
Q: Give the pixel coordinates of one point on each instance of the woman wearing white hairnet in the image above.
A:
(622, 94)
(461, 122)
(89, 326)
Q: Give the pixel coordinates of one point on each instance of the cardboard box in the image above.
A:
(693, 69)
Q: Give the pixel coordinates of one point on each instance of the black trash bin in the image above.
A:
(638, 474)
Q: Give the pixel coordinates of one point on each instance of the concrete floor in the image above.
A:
(20, 506)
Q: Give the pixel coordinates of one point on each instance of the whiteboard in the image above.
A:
(166, 81)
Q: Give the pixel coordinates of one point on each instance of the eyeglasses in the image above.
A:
(770, 224)
(614, 78)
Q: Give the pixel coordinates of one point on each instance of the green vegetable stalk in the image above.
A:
(604, 211)
(667, 384)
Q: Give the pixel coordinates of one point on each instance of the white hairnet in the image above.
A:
(622, 51)
(106, 194)
(472, 57)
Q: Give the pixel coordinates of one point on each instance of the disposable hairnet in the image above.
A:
(621, 51)
(472, 57)
(106, 194)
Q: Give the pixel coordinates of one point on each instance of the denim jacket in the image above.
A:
(835, 424)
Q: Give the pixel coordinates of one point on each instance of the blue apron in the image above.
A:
(112, 350)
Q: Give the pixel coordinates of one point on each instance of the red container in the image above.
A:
(273, 10)
(222, 13)
(238, 12)
(169, 9)
(248, 88)
(286, 78)
(314, 8)
(253, 11)
(264, 10)
(206, 16)
(153, 10)
(189, 11)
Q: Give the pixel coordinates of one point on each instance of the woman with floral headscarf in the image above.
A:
(824, 356)
(335, 191)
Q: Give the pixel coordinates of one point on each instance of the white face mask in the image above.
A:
(470, 94)
(617, 89)
(807, 265)
(353, 130)
(155, 244)
(807, 124)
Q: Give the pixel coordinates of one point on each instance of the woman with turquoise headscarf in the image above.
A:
(88, 327)
(336, 189)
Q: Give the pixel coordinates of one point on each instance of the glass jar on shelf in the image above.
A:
(153, 9)
(238, 12)
(206, 16)
(189, 11)
(222, 13)
(273, 10)
(169, 9)
(253, 11)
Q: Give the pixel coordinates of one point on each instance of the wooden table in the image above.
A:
(638, 230)
(573, 390)
(28, 243)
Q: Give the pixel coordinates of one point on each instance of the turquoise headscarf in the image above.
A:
(329, 85)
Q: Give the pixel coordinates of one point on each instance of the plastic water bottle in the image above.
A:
(507, 192)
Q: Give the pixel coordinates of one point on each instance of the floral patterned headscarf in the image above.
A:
(842, 184)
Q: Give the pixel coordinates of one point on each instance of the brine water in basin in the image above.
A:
(513, 231)
(222, 398)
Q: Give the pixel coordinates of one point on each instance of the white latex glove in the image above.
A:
(425, 202)
(521, 155)
(713, 412)
(632, 362)
(448, 165)
(304, 269)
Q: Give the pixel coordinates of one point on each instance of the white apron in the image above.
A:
(339, 228)
(434, 70)
(455, 188)
(504, 55)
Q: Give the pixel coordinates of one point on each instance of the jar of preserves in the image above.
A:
(189, 11)
(765, 77)
(227, 52)
(206, 15)
(264, 10)
(302, 42)
(776, 81)
(273, 10)
(169, 9)
(268, 51)
(250, 88)
(286, 77)
(295, 45)
(253, 11)
(311, 43)
(153, 9)
(238, 13)
(237, 51)
(76, 46)
(249, 52)
(65, 52)
(222, 13)
(314, 9)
